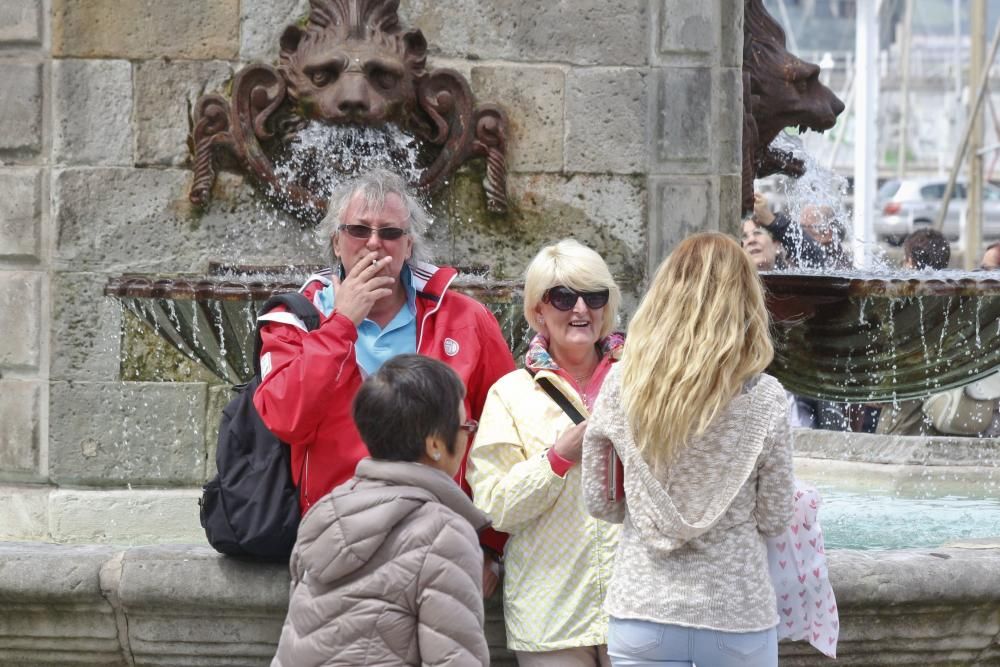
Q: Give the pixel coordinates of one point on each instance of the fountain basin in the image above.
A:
(837, 337)
(177, 602)
(187, 605)
(211, 319)
(883, 338)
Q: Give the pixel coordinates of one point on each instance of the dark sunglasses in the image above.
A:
(365, 232)
(470, 426)
(564, 298)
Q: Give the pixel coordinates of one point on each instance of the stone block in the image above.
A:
(165, 94)
(533, 100)
(261, 25)
(115, 220)
(681, 139)
(679, 206)
(20, 21)
(686, 31)
(52, 611)
(727, 128)
(178, 600)
(139, 29)
(92, 112)
(20, 213)
(21, 311)
(730, 196)
(731, 41)
(137, 516)
(20, 108)
(24, 513)
(86, 329)
(20, 430)
(127, 433)
(603, 212)
(219, 396)
(606, 112)
(584, 32)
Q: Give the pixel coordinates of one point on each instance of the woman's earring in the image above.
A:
(436, 455)
(541, 320)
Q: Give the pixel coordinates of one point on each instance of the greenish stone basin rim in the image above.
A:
(837, 337)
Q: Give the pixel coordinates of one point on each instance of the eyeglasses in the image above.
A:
(470, 426)
(564, 298)
(365, 232)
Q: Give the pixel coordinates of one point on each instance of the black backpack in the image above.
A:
(251, 507)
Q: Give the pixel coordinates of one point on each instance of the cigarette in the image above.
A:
(374, 262)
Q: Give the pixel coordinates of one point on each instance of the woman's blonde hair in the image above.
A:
(574, 265)
(699, 334)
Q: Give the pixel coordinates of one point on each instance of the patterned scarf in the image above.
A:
(538, 357)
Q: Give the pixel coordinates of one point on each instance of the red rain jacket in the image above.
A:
(310, 378)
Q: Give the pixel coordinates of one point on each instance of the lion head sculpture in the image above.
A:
(353, 63)
(350, 64)
(780, 90)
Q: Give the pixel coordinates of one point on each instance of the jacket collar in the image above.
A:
(438, 484)
(431, 282)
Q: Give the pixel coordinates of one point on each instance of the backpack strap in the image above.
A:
(559, 398)
(298, 305)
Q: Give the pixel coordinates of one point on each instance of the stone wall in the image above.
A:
(624, 134)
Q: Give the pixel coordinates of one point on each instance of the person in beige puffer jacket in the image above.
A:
(387, 568)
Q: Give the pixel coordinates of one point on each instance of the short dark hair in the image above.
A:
(927, 249)
(410, 398)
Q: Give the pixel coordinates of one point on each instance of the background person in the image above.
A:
(991, 258)
(524, 466)
(923, 249)
(704, 439)
(816, 242)
(926, 249)
(381, 300)
(764, 250)
(386, 568)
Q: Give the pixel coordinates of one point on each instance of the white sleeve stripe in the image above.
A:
(283, 318)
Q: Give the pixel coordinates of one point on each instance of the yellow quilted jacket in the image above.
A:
(558, 559)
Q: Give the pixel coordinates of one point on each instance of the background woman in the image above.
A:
(524, 470)
(703, 437)
(387, 568)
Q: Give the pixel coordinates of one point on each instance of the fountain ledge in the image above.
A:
(186, 605)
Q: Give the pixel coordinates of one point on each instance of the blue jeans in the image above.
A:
(633, 643)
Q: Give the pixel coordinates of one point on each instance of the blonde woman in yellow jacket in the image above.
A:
(524, 465)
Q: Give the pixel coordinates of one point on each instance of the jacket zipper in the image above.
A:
(305, 479)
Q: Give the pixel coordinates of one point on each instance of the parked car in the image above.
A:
(911, 203)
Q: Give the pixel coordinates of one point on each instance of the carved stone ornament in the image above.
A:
(351, 64)
(779, 91)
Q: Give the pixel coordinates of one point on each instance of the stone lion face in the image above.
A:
(354, 80)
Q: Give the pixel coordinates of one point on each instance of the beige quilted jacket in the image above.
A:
(387, 570)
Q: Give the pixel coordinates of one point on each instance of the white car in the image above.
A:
(911, 203)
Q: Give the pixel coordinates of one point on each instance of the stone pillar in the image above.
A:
(695, 120)
(24, 240)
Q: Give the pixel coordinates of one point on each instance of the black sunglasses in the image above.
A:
(564, 298)
(365, 232)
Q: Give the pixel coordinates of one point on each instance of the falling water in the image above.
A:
(321, 156)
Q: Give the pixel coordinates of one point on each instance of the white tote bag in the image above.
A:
(807, 607)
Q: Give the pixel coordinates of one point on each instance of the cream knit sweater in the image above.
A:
(692, 548)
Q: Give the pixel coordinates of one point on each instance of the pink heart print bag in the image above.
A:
(807, 607)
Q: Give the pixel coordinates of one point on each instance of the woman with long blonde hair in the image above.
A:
(703, 438)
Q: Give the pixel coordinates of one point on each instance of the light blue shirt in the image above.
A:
(376, 345)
